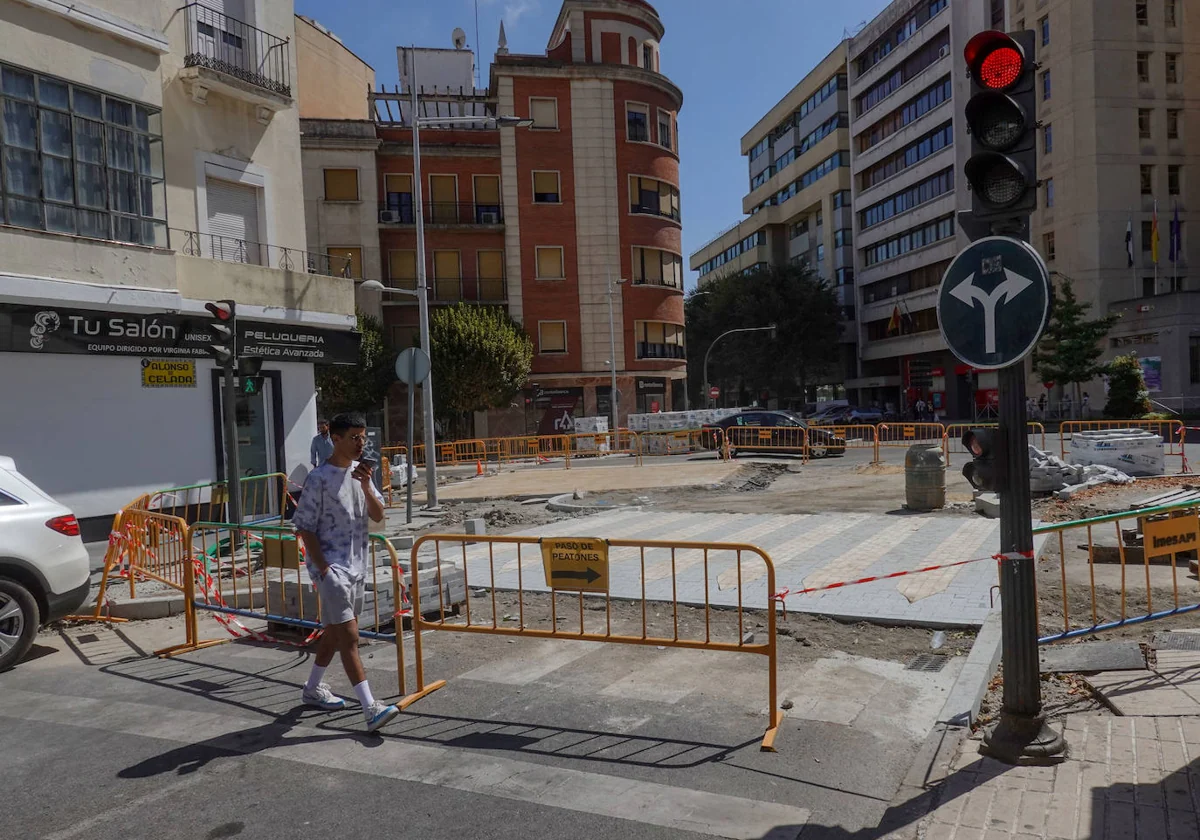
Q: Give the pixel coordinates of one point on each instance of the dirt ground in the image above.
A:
(801, 638)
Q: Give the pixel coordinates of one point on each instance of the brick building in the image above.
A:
(541, 219)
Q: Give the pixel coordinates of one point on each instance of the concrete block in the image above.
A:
(475, 527)
(988, 504)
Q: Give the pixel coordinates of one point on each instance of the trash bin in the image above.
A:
(925, 477)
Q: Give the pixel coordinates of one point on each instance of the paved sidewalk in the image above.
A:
(808, 550)
(1125, 778)
(552, 479)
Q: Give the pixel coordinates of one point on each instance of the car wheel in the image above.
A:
(818, 452)
(18, 622)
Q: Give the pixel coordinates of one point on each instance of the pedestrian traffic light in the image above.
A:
(224, 327)
(249, 371)
(981, 470)
(1002, 123)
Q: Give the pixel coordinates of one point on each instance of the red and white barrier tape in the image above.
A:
(212, 595)
(782, 596)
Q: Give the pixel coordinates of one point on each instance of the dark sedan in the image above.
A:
(773, 431)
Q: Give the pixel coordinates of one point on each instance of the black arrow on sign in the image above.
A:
(590, 576)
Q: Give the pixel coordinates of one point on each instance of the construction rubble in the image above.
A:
(1050, 474)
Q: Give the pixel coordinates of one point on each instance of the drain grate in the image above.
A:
(1177, 641)
(927, 662)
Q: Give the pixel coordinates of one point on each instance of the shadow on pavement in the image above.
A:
(262, 692)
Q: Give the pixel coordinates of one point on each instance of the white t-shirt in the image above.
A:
(334, 507)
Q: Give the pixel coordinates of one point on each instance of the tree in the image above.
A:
(481, 360)
(805, 349)
(363, 386)
(1069, 351)
(1127, 394)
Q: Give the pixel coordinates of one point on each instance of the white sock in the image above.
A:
(314, 678)
(363, 692)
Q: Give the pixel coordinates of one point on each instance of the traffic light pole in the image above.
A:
(233, 485)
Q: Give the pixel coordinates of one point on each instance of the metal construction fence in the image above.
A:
(1118, 569)
(581, 578)
(955, 431)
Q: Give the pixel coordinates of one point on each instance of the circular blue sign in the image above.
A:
(994, 302)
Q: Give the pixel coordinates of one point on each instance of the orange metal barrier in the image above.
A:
(1104, 585)
(680, 441)
(856, 437)
(907, 434)
(598, 444)
(1172, 432)
(955, 431)
(785, 440)
(571, 567)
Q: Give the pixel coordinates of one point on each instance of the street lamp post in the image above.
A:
(770, 328)
(422, 293)
(612, 339)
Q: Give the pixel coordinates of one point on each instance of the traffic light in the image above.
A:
(224, 329)
(981, 470)
(1001, 116)
(249, 371)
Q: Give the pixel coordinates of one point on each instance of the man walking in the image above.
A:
(333, 519)
(322, 445)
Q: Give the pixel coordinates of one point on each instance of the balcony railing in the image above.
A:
(456, 289)
(443, 213)
(660, 351)
(235, 48)
(230, 249)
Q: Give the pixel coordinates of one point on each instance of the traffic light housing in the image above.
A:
(224, 327)
(1001, 115)
(249, 371)
(982, 470)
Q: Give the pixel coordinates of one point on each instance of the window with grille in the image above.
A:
(77, 160)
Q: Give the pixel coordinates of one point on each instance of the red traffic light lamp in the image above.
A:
(996, 60)
(224, 327)
(1001, 121)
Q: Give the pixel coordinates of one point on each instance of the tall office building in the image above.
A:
(797, 202)
(907, 147)
(1118, 88)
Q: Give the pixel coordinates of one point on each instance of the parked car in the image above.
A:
(44, 568)
(850, 415)
(771, 431)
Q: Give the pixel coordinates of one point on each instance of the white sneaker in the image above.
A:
(378, 714)
(322, 697)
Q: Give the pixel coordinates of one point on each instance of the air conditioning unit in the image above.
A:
(944, 51)
(489, 217)
(389, 216)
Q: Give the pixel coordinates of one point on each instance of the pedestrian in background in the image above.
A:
(333, 519)
(322, 445)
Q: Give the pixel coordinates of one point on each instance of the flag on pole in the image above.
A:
(894, 323)
(1129, 243)
(1154, 236)
(1176, 244)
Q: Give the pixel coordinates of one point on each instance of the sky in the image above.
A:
(733, 60)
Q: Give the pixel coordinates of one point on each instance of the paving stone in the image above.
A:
(1093, 656)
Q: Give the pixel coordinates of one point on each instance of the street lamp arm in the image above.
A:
(722, 335)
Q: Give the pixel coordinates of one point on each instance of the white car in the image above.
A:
(44, 568)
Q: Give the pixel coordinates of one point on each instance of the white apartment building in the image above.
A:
(907, 146)
(150, 159)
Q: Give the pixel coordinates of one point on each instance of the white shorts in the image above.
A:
(342, 596)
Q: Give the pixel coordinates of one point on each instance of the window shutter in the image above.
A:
(491, 265)
(487, 189)
(341, 185)
(549, 263)
(233, 221)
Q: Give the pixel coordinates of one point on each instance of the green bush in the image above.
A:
(1127, 394)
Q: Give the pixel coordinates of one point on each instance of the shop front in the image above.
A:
(102, 404)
